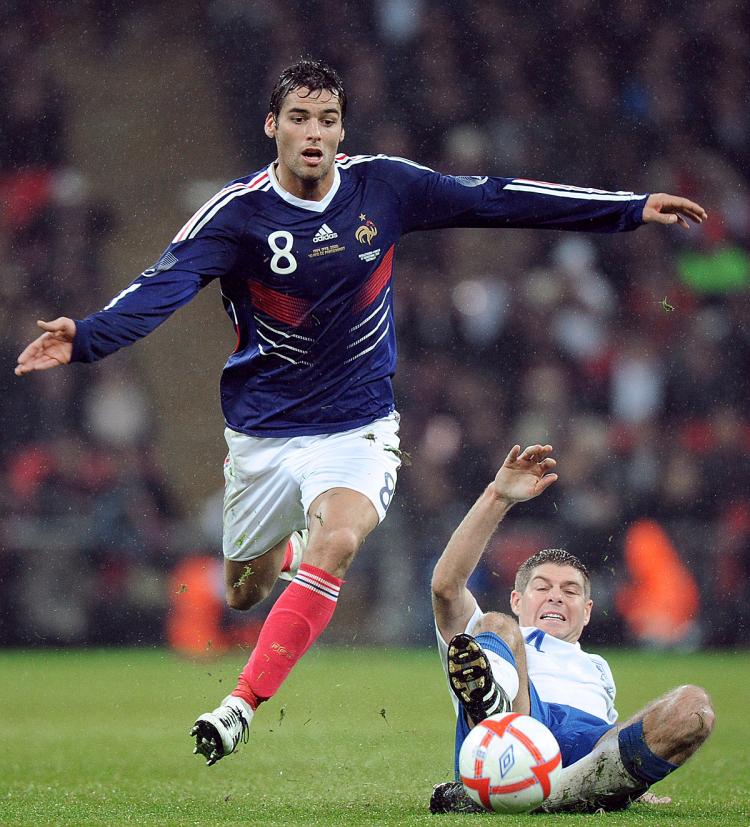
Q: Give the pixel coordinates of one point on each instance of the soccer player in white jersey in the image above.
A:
(532, 663)
(303, 249)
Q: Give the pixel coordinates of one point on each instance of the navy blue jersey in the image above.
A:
(308, 284)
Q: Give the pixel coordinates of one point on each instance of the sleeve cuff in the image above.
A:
(82, 343)
(636, 211)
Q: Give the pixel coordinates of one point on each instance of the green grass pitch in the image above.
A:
(356, 736)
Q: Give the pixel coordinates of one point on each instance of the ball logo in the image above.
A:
(506, 761)
(509, 763)
(366, 232)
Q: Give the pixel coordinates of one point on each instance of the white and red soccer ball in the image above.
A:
(509, 763)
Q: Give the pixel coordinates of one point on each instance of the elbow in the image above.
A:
(443, 589)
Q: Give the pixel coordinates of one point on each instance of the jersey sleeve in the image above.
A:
(442, 646)
(431, 200)
(202, 251)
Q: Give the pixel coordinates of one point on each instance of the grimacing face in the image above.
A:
(554, 601)
(307, 131)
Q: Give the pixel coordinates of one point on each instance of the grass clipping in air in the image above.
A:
(101, 738)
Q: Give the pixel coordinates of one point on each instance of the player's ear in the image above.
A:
(269, 127)
(343, 132)
(515, 599)
(587, 611)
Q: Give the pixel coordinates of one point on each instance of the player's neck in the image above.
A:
(301, 188)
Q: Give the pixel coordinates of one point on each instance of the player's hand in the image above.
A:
(54, 347)
(524, 475)
(650, 798)
(662, 208)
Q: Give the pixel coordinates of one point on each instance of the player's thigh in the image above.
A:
(363, 460)
(577, 732)
(262, 504)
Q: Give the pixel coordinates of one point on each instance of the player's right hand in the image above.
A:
(54, 347)
(525, 474)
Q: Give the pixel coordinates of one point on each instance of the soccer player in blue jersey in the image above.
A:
(533, 663)
(303, 249)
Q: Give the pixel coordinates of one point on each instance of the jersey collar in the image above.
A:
(533, 632)
(313, 206)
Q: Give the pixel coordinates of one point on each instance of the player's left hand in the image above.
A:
(525, 474)
(662, 208)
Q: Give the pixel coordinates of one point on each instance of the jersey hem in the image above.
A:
(310, 430)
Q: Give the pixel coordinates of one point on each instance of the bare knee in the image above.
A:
(693, 710)
(504, 626)
(236, 600)
(243, 599)
(677, 724)
(246, 584)
(333, 550)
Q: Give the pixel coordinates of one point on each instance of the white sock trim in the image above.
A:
(238, 703)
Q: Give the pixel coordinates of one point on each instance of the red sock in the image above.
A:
(288, 557)
(294, 623)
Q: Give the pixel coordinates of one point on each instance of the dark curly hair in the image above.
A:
(559, 557)
(312, 75)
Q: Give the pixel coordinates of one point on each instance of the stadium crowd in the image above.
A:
(626, 353)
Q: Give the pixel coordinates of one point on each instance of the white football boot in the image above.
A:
(299, 544)
(217, 733)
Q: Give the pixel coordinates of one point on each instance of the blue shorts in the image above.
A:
(576, 731)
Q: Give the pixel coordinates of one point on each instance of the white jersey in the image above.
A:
(561, 672)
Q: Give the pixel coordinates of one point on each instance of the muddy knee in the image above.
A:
(504, 626)
(677, 724)
(693, 710)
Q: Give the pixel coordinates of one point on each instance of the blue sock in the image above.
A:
(638, 759)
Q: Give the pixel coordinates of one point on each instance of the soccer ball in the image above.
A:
(509, 763)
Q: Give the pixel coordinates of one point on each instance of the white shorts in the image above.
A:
(271, 482)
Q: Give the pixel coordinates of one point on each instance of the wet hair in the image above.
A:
(310, 74)
(559, 557)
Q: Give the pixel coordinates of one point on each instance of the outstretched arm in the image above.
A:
(54, 347)
(661, 208)
(523, 476)
(431, 200)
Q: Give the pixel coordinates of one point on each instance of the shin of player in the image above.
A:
(342, 520)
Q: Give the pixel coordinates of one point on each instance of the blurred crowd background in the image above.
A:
(628, 353)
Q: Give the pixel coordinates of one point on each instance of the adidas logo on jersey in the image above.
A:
(325, 233)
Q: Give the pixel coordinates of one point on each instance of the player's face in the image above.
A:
(307, 133)
(554, 601)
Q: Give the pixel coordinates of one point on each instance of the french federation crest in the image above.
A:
(366, 232)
